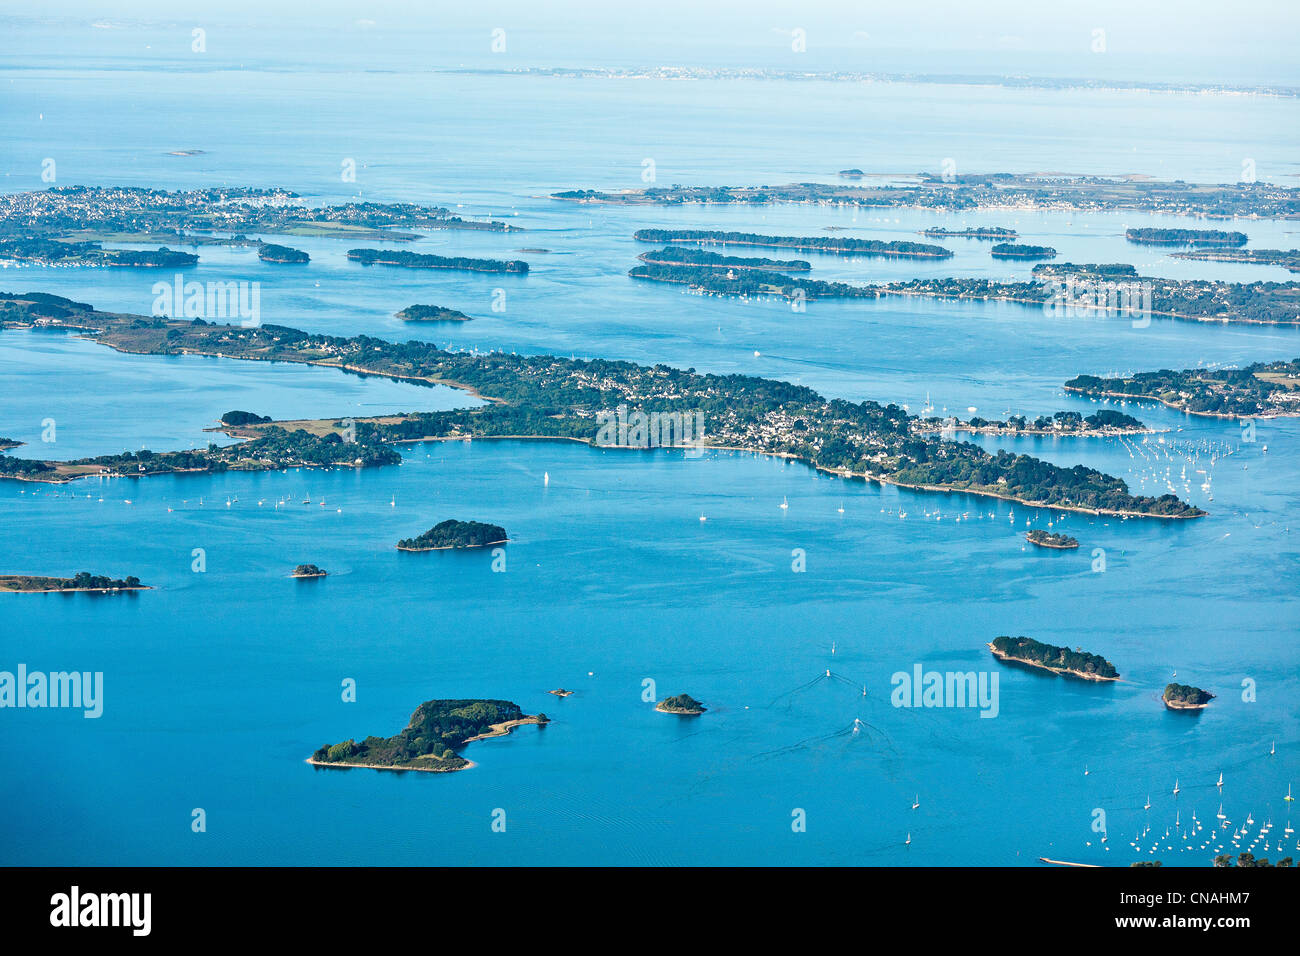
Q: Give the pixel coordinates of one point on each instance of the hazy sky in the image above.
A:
(1249, 41)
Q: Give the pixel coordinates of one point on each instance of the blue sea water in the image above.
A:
(218, 684)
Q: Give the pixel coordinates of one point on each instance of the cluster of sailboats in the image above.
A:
(285, 501)
(1220, 835)
(1155, 476)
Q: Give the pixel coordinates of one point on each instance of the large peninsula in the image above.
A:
(546, 396)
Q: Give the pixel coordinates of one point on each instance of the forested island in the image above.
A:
(82, 581)
(1186, 237)
(988, 191)
(270, 252)
(431, 313)
(416, 260)
(712, 260)
(682, 704)
(1049, 539)
(1058, 660)
(132, 214)
(238, 417)
(824, 244)
(1104, 288)
(1261, 390)
(854, 173)
(753, 281)
(7, 443)
(544, 396)
(455, 534)
(1012, 250)
(48, 252)
(1102, 423)
(308, 571)
(982, 232)
(1186, 697)
(1288, 259)
(430, 739)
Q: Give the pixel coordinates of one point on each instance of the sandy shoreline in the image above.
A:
(457, 547)
(1170, 705)
(503, 728)
(383, 766)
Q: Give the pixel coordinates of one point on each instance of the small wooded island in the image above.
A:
(1058, 660)
(455, 534)
(1013, 250)
(829, 245)
(308, 571)
(982, 232)
(416, 260)
(238, 417)
(699, 258)
(270, 252)
(1049, 539)
(431, 313)
(427, 743)
(1186, 237)
(83, 581)
(683, 704)
(1186, 697)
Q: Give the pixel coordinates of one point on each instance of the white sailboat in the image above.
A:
(1219, 783)
(1175, 786)
(784, 503)
(1147, 806)
(916, 802)
(908, 841)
